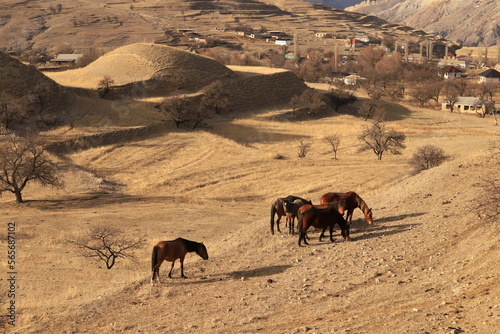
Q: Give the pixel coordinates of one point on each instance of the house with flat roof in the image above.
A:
(469, 104)
(66, 58)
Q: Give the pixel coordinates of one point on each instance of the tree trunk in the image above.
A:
(19, 197)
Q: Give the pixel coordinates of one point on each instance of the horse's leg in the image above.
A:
(278, 222)
(349, 216)
(273, 211)
(302, 236)
(182, 267)
(171, 268)
(322, 234)
(331, 232)
(156, 272)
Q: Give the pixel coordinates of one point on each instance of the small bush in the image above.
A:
(303, 148)
(278, 156)
(426, 157)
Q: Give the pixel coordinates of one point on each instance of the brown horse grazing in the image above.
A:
(277, 209)
(352, 200)
(321, 217)
(171, 251)
(340, 206)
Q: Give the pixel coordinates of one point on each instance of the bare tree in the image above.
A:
(104, 86)
(369, 108)
(489, 89)
(426, 157)
(334, 141)
(107, 244)
(183, 110)
(339, 97)
(294, 103)
(421, 94)
(303, 148)
(12, 110)
(88, 57)
(23, 160)
(379, 140)
(216, 97)
(451, 96)
(494, 112)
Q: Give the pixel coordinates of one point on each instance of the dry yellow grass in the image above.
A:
(428, 264)
(142, 62)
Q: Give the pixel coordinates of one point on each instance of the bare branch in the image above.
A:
(107, 244)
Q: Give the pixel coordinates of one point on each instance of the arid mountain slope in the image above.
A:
(427, 264)
(80, 25)
(340, 4)
(473, 22)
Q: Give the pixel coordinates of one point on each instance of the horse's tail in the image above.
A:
(300, 216)
(273, 212)
(154, 258)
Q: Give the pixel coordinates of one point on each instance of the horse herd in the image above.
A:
(325, 215)
(329, 212)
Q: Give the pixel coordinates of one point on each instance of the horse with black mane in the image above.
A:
(291, 210)
(171, 251)
(352, 200)
(277, 209)
(321, 216)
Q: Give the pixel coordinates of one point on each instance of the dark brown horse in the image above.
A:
(321, 216)
(291, 210)
(352, 200)
(277, 209)
(340, 206)
(171, 251)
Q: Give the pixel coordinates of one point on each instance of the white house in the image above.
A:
(283, 42)
(66, 58)
(469, 104)
(490, 75)
(352, 79)
(462, 64)
(450, 72)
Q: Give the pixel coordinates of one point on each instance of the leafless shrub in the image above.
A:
(215, 98)
(107, 244)
(334, 141)
(88, 57)
(278, 156)
(303, 148)
(182, 110)
(104, 86)
(426, 157)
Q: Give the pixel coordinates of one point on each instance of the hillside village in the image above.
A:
(195, 133)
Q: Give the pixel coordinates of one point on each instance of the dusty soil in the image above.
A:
(429, 263)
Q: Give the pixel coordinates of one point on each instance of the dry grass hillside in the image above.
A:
(427, 265)
(81, 25)
(146, 63)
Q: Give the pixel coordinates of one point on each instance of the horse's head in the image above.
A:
(368, 216)
(286, 206)
(202, 251)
